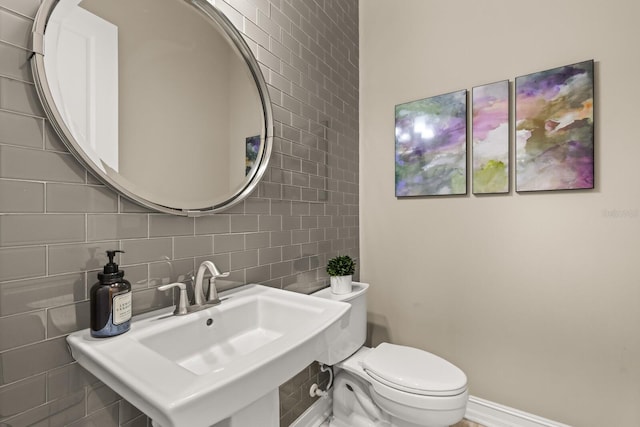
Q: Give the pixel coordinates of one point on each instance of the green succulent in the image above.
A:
(342, 265)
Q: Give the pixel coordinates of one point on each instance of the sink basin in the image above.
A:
(199, 369)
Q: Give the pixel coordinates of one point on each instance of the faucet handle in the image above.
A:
(212, 296)
(181, 307)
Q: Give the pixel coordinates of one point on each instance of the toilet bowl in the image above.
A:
(389, 385)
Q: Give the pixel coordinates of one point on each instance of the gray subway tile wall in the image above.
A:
(21, 196)
(56, 219)
(62, 198)
(20, 130)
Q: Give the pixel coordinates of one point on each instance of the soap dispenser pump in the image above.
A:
(110, 301)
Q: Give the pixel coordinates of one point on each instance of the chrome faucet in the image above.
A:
(183, 307)
(213, 292)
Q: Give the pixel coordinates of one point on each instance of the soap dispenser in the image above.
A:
(110, 301)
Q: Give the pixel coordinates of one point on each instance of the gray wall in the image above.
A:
(56, 220)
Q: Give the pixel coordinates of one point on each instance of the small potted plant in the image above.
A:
(341, 269)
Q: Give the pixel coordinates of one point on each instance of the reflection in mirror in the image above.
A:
(162, 100)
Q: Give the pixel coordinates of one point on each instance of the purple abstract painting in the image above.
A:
(554, 129)
(431, 146)
(491, 138)
(252, 148)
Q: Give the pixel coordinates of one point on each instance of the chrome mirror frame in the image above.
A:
(44, 92)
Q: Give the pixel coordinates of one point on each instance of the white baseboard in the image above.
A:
(492, 414)
(316, 414)
(481, 411)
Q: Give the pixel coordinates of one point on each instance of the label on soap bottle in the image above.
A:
(121, 308)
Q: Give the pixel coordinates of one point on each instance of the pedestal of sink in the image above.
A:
(264, 412)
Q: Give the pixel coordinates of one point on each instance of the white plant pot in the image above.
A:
(341, 284)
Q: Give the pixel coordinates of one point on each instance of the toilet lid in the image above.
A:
(414, 371)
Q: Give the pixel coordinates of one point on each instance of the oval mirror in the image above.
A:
(161, 100)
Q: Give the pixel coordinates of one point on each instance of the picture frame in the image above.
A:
(431, 146)
(252, 148)
(490, 140)
(555, 129)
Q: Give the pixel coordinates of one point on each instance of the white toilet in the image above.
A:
(389, 385)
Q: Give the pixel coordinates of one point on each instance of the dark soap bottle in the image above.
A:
(110, 301)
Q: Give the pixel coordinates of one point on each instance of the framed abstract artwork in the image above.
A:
(431, 146)
(490, 138)
(252, 148)
(555, 129)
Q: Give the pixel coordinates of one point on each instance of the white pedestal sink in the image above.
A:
(219, 365)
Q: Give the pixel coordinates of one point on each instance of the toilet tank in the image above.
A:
(352, 337)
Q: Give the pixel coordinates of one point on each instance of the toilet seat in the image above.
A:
(414, 371)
